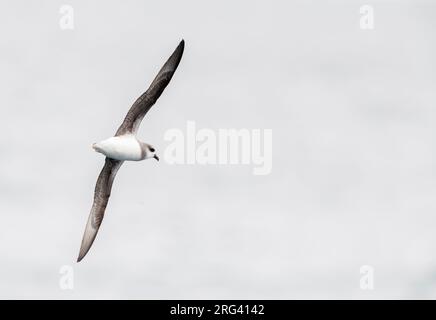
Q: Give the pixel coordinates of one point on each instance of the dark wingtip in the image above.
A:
(79, 258)
(174, 60)
(181, 47)
(82, 254)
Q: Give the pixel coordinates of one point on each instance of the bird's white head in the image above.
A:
(148, 151)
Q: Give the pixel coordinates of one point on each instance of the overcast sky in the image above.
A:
(352, 181)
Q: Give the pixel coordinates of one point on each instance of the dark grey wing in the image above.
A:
(101, 197)
(147, 100)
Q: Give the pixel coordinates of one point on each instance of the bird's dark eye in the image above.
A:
(151, 149)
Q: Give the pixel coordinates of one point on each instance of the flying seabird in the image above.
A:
(124, 146)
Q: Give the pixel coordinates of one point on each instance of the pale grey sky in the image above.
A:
(352, 182)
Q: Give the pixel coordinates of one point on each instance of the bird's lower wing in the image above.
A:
(101, 197)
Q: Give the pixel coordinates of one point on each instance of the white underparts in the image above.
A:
(125, 148)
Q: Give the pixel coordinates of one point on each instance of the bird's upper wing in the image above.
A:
(101, 197)
(147, 99)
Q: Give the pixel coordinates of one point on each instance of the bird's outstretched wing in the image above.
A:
(147, 100)
(101, 197)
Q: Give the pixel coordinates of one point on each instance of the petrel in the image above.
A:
(124, 146)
